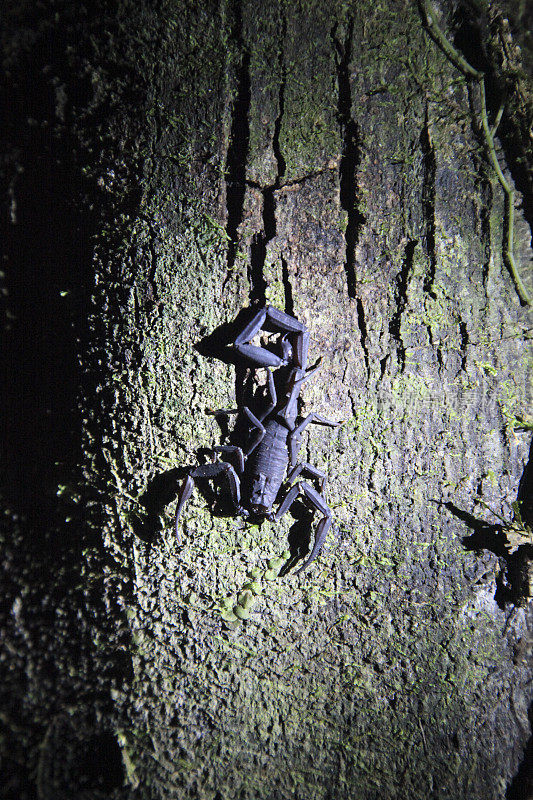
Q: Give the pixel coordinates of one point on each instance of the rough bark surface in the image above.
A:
(165, 165)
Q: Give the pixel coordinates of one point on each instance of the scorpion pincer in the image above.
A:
(274, 431)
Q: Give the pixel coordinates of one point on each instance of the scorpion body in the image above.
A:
(265, 468)
(274, 435)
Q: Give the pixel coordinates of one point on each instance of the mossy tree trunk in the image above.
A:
(165, 165)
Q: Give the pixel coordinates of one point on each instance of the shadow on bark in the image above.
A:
(57, 566)
(512, 587)
(513, 583)
(521, 787)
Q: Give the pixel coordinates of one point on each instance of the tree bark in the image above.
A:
(165, 166)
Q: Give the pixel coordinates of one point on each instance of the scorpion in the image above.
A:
(274, 433)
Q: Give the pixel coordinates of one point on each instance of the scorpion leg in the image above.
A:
(294, 436)
(316, 500)
(228, 411)
(312, 495)
(260, 430)
(208, 471)
(312, 470)
(289, 412)
(231, 448)
(183, 495)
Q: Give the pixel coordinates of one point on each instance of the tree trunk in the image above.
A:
(166, 165)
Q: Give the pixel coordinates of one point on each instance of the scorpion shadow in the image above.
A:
(162, 490)
(511, 584)
(299, 536)
(53, 337)
(217, 343)
(147, 521)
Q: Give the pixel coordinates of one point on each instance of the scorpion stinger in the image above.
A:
(274, 431)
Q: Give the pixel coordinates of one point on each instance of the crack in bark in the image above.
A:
(289, 300)
(383, 366)
(239, 142)
(260, 240)
(428, 201)
(485, 237)
(352, 403)
(258, 249)
(280, 161)
(361, 322)
(350, 158)
(279, 184)
(464, 343)
(402, 282)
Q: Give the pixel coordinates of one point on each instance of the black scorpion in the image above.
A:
(274, 436)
